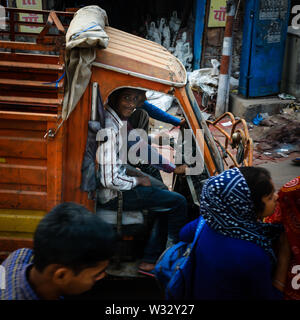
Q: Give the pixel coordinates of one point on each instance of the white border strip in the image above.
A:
(140, 75)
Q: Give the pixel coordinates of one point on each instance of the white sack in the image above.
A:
(87, 28)
(84, 35)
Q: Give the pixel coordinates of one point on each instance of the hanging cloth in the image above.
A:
(85, 34)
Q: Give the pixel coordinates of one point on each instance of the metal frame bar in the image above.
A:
(243, 133)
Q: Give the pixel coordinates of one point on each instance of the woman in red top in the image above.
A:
(288, 213)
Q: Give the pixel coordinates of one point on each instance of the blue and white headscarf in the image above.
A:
(227, 207)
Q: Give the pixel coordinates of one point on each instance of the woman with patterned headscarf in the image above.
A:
(287, 212)
(234, 256)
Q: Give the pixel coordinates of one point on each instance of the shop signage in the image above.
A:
(217, 13)
(30, 17)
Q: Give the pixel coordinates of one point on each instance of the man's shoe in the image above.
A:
(146, 269)
(147, 273)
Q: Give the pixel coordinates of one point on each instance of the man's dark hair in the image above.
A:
(74, 237)
(259, 182)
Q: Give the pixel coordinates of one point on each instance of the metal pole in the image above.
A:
(225, 60)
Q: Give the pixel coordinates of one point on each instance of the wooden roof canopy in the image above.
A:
(130, 54)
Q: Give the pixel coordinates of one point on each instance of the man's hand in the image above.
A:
(182, 123)
(134, 173)
(180, 169)
(144, 181)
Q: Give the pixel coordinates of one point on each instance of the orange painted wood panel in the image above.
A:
(31, 65)
(38, 84)
(19, 133)
(108, 82)
(25, 57)
(23, 125)
(77, 127)
(28, 116)
(30, 166)
(12, 244)
(23, 187)
(38, 75)
(23, 147)
(22, 174)
(24, 161)
(30, 100)
(23, 199)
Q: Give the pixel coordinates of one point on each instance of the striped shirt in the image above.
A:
(110, 154)
(16, 285)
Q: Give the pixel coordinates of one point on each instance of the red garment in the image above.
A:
(288, 213)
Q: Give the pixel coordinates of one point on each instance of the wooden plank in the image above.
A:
(20, 174)
(29, 83)
(23, 147)
(24, 161)
(17, 235)
(29, 57)
(30, 97)
(23, 187)
(30, 34)
(39, 75)
(37, 213)
(31, 100)
(30, 65)
(47, 12)
(19, 223)
(16, 115)
(26, 46)
(10, 199)
(11, 244)
(23, 124)
(14, 241)
(27, 108)
(19, 133)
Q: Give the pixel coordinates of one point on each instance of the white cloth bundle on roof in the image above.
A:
(87, 28)
(84, 35)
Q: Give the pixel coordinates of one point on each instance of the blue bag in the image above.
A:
(174, 268)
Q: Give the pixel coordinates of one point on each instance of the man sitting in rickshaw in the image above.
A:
(139, 191)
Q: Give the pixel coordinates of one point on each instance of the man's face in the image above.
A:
(127, 102)
(85, 280)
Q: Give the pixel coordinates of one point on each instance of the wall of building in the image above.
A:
(213, 42)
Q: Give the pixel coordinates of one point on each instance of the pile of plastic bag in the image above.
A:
(206, 79)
